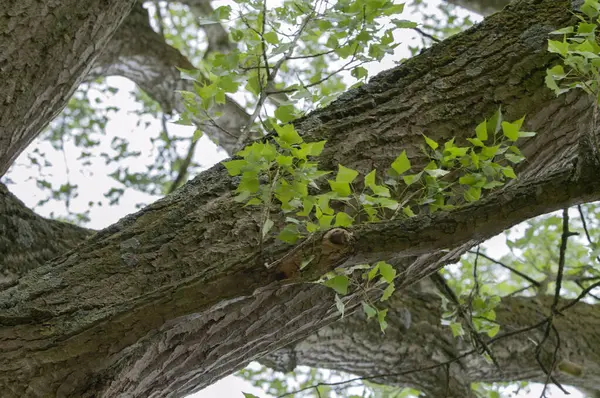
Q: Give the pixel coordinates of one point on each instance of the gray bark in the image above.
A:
(34, 87)
(415, 339)
(176, 296)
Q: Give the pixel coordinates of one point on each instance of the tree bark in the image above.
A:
(416, 341)
(45, 52)
(176, 296)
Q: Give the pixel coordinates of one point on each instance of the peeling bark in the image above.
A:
(174, 297)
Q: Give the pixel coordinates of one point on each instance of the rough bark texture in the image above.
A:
(46, 50)
(415, 339)
(176, 296)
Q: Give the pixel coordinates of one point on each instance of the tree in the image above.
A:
(176, 296)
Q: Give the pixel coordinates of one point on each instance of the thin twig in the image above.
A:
(427, 35)
(184, 167)
(508, 267)
(580, 297)
(270, 79)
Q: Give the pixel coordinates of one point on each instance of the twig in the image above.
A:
(508, 267)
(270, 79)
(581, 296)
(184, 167)
(427, 35)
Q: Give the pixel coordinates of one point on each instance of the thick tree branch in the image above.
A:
(45, 52)
(28, 240)
(416, 339)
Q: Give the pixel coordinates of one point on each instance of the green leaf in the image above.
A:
(288, 134)
(490, 151)
(559, 47)
(510, 130)
(388, 273)
(290, 234)
(222, 12)
(432, 144)
(248, 395)
(271, 37)
(402, 163)
(285, 113)
(493, 331)
(394, 9)
(494, 123)
(457, 329)
(197, 135)
(380, 190)
(227, 83)
(492, 184)
(312, 227)
(370, 179)
(249, 182)
(526, 134)
(436, 173)
(412, 178)
(408, 211)
(509, 172)
(359, 72)
(339, 304)
(254, 202)
(369, 310)
(472, 194)
(404, 24)
(373, 272)
(514, 158)
(387, 293)
(345, 174)
(381, 314)
(267, 227)
(325, 221)
(343, 220)
(481, 131)
(235, 167)
(338, 283)
(285, 161)
(562, 31)
(475, 141)
(341, 188)
(253, 85)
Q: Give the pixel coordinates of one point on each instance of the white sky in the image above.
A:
(93, 184)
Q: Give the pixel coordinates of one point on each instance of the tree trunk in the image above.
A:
(174, 297)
